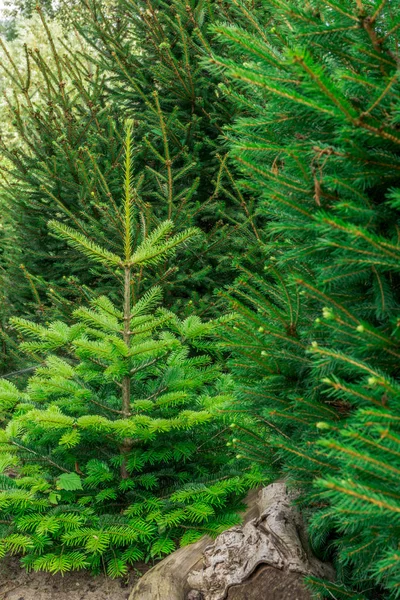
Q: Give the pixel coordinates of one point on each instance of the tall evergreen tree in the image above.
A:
(317, 346)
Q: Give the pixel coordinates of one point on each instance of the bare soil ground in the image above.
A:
(17, 584)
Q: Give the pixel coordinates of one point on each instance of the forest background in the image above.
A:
(199, 253)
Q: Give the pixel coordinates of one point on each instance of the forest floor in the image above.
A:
(17, 584)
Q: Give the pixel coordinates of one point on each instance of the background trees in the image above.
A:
(143, 65)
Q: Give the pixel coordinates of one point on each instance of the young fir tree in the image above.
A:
(113, 453)
(317, 349)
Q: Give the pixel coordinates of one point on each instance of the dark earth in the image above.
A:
(17, 584)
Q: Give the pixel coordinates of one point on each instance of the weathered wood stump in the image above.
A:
(266, 557)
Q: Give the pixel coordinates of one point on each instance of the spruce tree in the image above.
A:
(114, 452)
(317, 343)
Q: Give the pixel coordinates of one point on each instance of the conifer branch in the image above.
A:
(84, 245)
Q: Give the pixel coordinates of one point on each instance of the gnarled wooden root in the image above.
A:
(273, 534)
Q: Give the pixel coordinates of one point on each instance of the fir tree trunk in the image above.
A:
(126, 381)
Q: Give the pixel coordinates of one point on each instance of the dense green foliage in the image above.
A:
(318, 348)
(266, 134)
